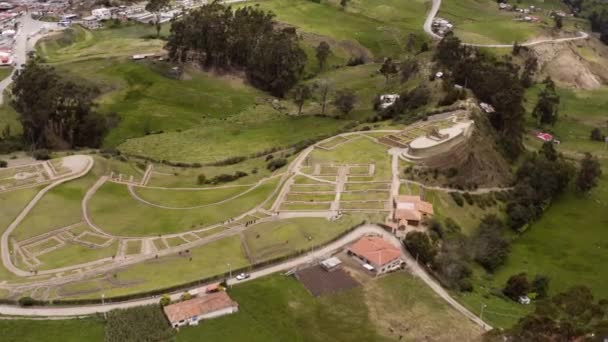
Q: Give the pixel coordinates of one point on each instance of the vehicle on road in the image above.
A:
(243, 276)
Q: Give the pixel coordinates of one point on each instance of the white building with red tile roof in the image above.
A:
(190, 312)
(378, 253)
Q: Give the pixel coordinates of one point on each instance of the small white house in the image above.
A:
(190, 312)
(102, 13)
(388, 100)
(331, 264)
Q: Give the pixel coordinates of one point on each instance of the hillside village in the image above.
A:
(282, 170)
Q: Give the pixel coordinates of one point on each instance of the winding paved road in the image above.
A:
(436, 4)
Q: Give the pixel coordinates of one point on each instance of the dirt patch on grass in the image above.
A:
(580, 64)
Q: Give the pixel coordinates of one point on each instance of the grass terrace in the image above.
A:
(114, 210)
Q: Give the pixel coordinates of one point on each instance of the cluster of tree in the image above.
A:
(492, 80)
(221, 178)
(449, 253)
(276, 164)
(344, 100)
(541, 177)
(573, 315)
(215, 36)
(408, 101)
(489, 246)
(546, 109)
(55, 112)
(143, 323)
(597, 135)
(518, 286)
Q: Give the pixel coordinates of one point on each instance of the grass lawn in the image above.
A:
(133, 247)
(73, 254)
(273, 239)
(113, 209)
(175, 177)
(5, 72)
(68, 330)
(187, 198)
(208, 260)
(468, 216)
(481, 22)
(60, 207)
(365, 195)
(305, 206)
(311, 197)
(357, 151)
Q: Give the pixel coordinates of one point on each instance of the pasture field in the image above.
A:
(207, 260)
(380, 27)
(273, 239)
(365, 195)
(115, 211)
(481, 22)
(63, 330)
(579, 112)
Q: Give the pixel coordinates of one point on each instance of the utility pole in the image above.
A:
(483, 306)
(229, 274)
(103, 302)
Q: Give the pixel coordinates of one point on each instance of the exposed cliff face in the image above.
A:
(582, 64)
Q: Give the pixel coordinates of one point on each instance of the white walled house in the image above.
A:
(102, 13)
(190, 312)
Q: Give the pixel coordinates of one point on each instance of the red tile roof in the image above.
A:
(375, 250)
(198, 306)
(411, 207)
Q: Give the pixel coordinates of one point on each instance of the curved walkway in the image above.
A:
(139, 199)
(478, 191)
(4, 246)
(436, 4)
(314, 256)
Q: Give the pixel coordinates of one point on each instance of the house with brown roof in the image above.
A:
(190, 312)
(410, 211)
(378, 255)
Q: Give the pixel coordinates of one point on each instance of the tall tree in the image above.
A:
(420, 246)
(322, 51)
(345, 101)
(55, 112)
(301, 94)
(546, 109)
(155, 6)
(323, 87)
(388, 68)
(588, 174)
